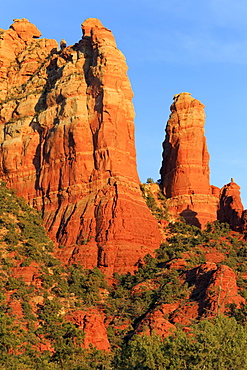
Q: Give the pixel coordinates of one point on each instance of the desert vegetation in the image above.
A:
(36, 333)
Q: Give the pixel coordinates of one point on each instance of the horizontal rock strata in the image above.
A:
(67, 144)
(185, 169)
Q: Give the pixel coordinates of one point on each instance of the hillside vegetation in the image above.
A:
(176, 312)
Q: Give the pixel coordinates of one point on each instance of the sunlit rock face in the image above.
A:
(185, 168)
(67, 144)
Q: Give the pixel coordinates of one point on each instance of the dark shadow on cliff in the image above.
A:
(167, 167)
(200, 281)
(94, 86)
(54, 74)
(190, 217)
(228, 214)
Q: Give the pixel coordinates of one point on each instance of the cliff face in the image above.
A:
(185, 170)
(67, 144)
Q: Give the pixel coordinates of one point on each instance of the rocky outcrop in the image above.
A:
(185, 170)
(92, 324)
(156, 322)
(222, 291)
(213, 289)
(230, 208)
(67, 144)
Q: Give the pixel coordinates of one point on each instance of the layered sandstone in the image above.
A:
(67, 144)
(185, 169)
(230, 208)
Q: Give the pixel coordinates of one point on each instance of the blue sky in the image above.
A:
(198, 46)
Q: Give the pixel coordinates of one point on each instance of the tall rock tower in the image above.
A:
(67, 144)
(185, 169)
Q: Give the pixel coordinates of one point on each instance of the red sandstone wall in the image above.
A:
(67, 144)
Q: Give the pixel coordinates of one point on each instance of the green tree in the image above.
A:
(218, 344)
(142, 352)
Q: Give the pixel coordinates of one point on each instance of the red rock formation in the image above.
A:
(222, 290)
(67, 144)
(185, 170)
(244, 223)
(92, 324)
(215, 191)
(156, 322)
(212, 289)
(29, 274)
(230, 207)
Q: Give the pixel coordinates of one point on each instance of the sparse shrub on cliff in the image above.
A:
(23, 227)
(147, 270)
(86, 284)
(160, 212)
(133, 296)
(27, 312)
(217, 229)
(12, 237)
(189, 231)
(184, 238)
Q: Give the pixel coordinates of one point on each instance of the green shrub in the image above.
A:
(219, 344)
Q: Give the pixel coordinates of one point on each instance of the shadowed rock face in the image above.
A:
(185, 170)
(67, 144)
(230, 208)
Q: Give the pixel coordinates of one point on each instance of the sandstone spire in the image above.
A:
(67, 144)
(230, 207)
(185, 169)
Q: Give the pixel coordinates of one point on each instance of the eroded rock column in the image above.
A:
(185, 168)
(230, 207)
